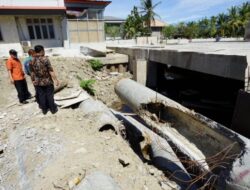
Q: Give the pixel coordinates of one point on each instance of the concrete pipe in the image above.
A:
(106, 120)
(162, 155)
(212, 146)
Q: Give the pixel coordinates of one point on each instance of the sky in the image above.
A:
(174, 11)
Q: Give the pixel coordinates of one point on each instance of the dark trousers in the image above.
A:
(45, 98)
(22, 90)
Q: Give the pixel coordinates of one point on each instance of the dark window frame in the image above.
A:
(1, 35)
(41, 28)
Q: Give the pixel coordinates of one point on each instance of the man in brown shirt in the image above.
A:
(17, 77)
(43, 78)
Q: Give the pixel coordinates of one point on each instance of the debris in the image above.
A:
(69, 102)
(71, 96)
(124, 160)
(114, 73)
(151, 171)
(61, 86)
(58, 187)
(76, 180)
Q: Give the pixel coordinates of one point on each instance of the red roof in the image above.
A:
(30, 8)
(93, 2)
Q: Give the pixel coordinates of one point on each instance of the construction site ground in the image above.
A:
(44, 152)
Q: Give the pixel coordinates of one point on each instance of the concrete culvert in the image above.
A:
(106, 119)
(216, 150)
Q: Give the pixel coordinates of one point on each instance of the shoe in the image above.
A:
(54, 111)
(45, 111)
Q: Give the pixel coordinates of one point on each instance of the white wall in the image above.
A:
(39, 3)
(9, 29)
(57, 22)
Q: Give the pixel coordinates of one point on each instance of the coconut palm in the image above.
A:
(221, 24)
(244, 13)
(234, 21)
(147, 10)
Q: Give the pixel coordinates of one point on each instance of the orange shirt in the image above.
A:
(15, 66)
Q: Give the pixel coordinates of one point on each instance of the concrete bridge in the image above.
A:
(218, 70)
(224, 59)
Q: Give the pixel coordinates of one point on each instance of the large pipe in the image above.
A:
(193, 134)
(162, 155)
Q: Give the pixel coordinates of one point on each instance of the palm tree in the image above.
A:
(234, 21)
(221, 24)
(203, 26)
(244, 13)
(212, 26)
(147, 9)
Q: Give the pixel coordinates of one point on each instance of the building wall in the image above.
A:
(58, 29)
(47, 3)
(14, 30)
(85, 31)
(8, 29)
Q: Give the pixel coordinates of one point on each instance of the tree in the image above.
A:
(191, 30)
(221, 24)
(133, 25)
(169, 31)
(113, 31)
(212, 27)
(234, 21)
(180, 30)
(203, 27)
(147, 9)
(244, 14)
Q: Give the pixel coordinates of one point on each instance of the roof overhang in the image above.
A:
(31, 10)
(86, 4)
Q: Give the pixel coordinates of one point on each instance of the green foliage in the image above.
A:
(147, 10)
(112, 31)
(134, 25)
(231, 24)
(96, 64)
(88, 86)
(191, 30)
(169, 31)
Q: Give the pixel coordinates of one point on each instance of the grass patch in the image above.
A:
(88, 86)
(96, 64)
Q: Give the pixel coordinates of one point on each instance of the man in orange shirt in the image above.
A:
(17, 77)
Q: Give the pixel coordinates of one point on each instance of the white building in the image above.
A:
(51, 23)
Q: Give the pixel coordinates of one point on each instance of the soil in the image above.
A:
(49, 151)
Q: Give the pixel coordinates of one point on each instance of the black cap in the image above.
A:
(13, 52)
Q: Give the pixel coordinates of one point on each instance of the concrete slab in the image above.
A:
(224, 59)
(114, 58)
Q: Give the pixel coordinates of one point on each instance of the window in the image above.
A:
(42, 28)
(1, 37)
(94, 14)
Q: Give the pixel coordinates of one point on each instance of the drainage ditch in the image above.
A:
(212, 96)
